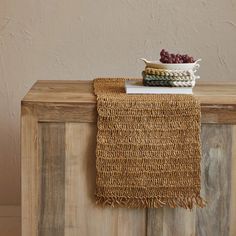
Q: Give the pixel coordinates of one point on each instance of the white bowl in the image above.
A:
(174, 66)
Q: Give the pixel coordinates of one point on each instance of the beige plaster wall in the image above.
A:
(83, 39)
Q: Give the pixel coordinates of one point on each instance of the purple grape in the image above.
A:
(166, 57)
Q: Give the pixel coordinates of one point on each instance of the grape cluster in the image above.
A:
(167, 57)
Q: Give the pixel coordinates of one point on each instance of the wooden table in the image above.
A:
(58, 139)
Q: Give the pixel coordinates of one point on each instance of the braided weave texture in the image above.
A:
(148, 148)
(167, 78)
(163, 82)
(166, 73)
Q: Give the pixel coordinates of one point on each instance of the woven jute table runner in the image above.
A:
(148, 148)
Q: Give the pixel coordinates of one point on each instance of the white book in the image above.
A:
(137, 87)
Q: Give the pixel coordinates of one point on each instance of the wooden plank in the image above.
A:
(155, 219)
(82, 215)
(30, 171)
(216, 180)
(218, 114)
(63, 112)
(67, 112)
(233, 185)
(217, 185)
(52, 199)
(74, 101)
(82, 92)
(61, 91)
(169, 222)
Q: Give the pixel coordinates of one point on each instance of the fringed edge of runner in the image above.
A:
(187, 202)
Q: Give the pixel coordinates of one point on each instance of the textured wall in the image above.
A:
(83, 39)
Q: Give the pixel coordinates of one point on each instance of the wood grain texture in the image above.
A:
(66, 112)
(69, 101)
(29, 171)
(218, 114)
(73, 91)
(216, 181)
(83, 216)
(233, 185)
(69, 149)
(82, 92)
(52, 199)
(79, 112)
(218, 188)
(170, 222)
